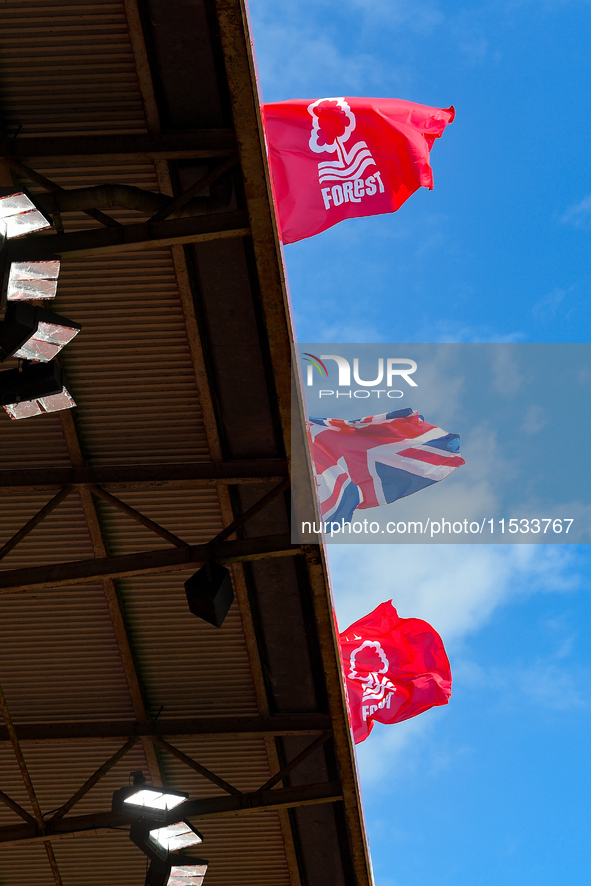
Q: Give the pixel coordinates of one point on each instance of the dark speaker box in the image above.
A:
(210, 593)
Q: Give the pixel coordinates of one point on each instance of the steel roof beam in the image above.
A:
(202, 727)
(196, 144)
(210, 807)
(144, 563)
(173, 476)
(133, 238)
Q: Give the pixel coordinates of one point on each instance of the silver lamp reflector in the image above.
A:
(20, 213)
(152, 798)
(176, 836)
(52, 403)
(29, 280)
(34, 389)
(31, 333)
(179, 870)
(187, 874)
(47, 342)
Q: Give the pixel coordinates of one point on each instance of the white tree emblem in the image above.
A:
(333, 121)
(375, 686)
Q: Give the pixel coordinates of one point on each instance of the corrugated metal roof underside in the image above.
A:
(68, 69)
(245, 850)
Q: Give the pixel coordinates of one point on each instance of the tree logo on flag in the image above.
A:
(333, 122)
(368, 663)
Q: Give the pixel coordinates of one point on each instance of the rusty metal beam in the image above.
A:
(173, 476)
(38, 825)
(325, 625)
(53, 188)
(95, 777)
(232, 20)
(196, 144)
(205, 727)
(138, 517)
(34, 521)
(195, 766)
(251, 512)
(293, 764)
(144, 563)
(8, 801)
(134, 237)
(210, 807)
(111, 596)
(142, 64)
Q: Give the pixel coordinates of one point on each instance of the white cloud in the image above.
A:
(505, 376)
(579, 214)
(421, 16)
(456, 588)
(452, 332)
(534, 419)
(387, 745)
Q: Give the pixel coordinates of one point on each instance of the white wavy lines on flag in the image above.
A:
(376, 688)
(350, 164)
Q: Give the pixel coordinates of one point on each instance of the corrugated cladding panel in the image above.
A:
(58, 657)
(187, 665)
(130, 367)
(68, 69)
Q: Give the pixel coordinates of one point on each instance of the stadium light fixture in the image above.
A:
(210, 593)
(34, 389)
(20, 213)
(31, 333)
(146, 801)
(32, 279)
(158, 842)
(179, 870)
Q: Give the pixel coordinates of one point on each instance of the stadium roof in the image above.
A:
(137, 125)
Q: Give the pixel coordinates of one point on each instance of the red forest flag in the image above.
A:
(394, 669)
(337, 158)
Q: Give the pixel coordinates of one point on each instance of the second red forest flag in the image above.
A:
(394, 669)
(337, 158)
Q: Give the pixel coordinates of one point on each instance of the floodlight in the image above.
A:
(20, 213)
(158, 842)
(34, 389)
(31, 333)
(146, 801)
(210, 593)
(32, 279)
(179, 870)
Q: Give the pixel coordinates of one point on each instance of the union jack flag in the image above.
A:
(368, 462)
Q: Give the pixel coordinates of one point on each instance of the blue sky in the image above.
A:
(494, 787)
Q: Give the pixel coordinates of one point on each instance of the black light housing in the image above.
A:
(159, 841)
(20, 214)
(146, 801)
(34, 389)
(31, 333)
(179, 870)
(210, 593)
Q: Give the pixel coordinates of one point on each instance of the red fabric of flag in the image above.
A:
(337, 158)
(394, 669)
